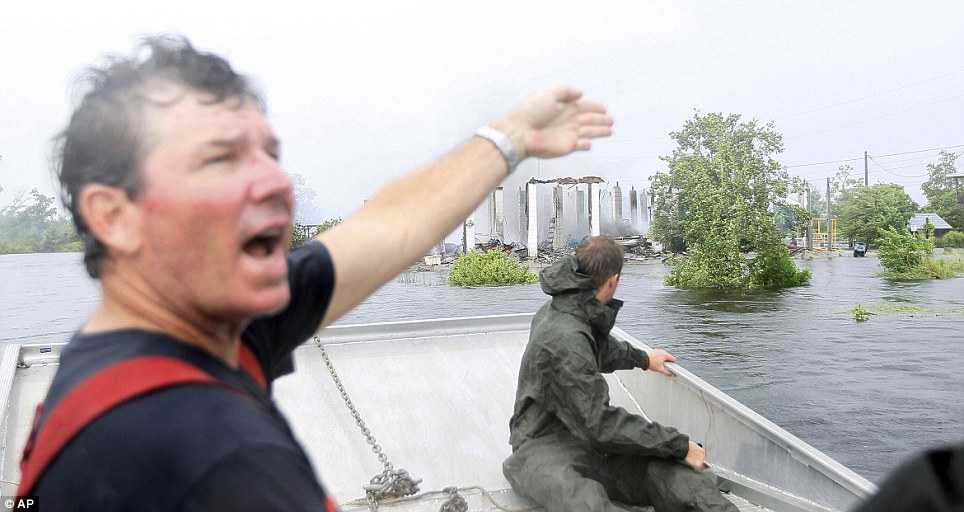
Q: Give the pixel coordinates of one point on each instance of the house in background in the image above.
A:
(917, 221)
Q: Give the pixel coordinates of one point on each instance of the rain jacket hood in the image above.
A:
(561, 387)
(574, 293)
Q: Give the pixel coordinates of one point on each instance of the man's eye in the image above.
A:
(223, 158)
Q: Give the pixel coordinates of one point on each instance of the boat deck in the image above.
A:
(483, 500)
(437, 396)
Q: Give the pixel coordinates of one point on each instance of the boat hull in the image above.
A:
(437, 396)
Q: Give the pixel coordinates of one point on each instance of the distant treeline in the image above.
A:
(31, 223)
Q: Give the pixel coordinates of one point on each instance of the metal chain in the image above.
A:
(391, 482)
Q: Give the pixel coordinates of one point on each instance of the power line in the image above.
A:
(911, 181)
(894, 173)
(923, 150)
(877, 118)
(824, 163)
(915, 177)
(915, 158)
(868, 97)
(901, 167)
(879, 156)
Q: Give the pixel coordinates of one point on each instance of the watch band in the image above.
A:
(502, 143)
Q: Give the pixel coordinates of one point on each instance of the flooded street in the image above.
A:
(868, 394)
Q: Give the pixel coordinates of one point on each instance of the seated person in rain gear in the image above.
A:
(572, 450)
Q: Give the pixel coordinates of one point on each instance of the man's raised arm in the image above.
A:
(405, 218)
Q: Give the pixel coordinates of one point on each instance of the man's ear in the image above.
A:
(111, 216)
(613, 281)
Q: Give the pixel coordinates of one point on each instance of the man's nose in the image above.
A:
(272, 181)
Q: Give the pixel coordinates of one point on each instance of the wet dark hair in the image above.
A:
(104, 142)
(599, 257)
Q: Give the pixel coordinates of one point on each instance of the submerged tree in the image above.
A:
(864, 211)
(717, 197)
(904, 256)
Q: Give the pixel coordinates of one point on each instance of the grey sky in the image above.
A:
(361, 92)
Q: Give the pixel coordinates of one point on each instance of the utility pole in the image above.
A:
(866, 174)
(829, 220)
(809, 240)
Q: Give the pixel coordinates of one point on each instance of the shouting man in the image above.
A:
(162, 400)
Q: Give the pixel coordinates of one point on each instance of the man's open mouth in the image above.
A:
(265, 244)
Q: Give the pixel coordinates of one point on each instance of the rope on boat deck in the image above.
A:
(455, 503)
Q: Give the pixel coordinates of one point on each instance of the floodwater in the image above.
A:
(868, 394)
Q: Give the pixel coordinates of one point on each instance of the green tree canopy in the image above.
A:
(792, 219)
(941, 190)
(301, 233)
(863, 210)
(31, 223)
(904, 256)
(717, 197)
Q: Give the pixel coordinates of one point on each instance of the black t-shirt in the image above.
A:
(193, 447)
(930, 481)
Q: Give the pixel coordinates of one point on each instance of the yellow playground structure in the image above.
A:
(824, 233)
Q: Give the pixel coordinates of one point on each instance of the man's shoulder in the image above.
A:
(559, 335)
(161, 446)
(203, 420)
(551, 321)
(88, 354)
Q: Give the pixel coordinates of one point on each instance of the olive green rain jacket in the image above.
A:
(561, 387)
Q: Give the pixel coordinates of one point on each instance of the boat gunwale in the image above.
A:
(799, 448)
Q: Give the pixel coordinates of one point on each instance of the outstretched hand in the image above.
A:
(555, 122)
(657, 358)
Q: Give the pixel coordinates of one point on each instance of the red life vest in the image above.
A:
(106, 389)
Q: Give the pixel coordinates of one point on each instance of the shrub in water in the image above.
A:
(953, 239)
(947, 267)
(491, 268)
(903, 255)
(861, 314)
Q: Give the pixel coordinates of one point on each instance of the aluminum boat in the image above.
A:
(435, 398)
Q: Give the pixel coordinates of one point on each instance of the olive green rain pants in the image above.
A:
(562, 474)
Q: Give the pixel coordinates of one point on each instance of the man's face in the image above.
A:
(217, 210)
(608, 290)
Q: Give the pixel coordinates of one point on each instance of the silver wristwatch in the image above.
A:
(502, 143)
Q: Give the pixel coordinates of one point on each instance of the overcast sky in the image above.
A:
(360, 92)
